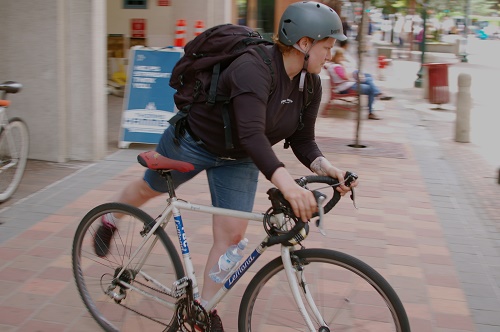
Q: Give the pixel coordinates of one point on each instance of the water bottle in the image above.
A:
(228, 261)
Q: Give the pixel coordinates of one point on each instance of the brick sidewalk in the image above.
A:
(428, 228)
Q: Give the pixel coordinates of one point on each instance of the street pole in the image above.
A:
(463, 42)
(391, 19)
(420, 74)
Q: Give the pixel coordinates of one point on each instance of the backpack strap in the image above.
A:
(212, 94)
(263, 54)
(228, 135)
(307, 96)
(179, 121)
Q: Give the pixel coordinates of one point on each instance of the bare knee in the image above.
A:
(228, 230)
(145, 190)
(137, 193)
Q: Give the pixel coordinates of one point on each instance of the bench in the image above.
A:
(343, 101)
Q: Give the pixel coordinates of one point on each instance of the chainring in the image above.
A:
(200, 320)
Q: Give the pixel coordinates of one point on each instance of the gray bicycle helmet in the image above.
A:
(309, 19)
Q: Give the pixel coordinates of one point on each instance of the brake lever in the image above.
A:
(350, 177)
(320, 198)
(321, 212)
(353, 199)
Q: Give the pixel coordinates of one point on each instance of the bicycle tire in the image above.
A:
(93, 274)
(350, 295)
(12, 157)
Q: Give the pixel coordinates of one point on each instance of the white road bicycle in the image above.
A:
(141, 285)
(14, 144)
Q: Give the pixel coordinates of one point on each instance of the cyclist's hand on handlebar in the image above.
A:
(340, 175)
(321, 166)
(302, 201)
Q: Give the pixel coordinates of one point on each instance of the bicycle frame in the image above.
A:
(173, 209)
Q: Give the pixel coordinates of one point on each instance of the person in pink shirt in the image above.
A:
(346, 81)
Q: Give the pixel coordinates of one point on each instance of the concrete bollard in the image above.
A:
(425, 82)
(462, 122)
(325, 97)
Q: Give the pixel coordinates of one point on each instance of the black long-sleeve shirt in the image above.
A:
(259, 119)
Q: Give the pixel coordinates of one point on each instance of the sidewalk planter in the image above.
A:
(384, 48)
(325, 83)
(385, 51)
(440, 47)
(439, 92)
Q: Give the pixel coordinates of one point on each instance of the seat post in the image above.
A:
(170, 182)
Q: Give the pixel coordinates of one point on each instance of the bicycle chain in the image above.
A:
(143, 315)
(202, 317)
(153, 288)
(140, 313)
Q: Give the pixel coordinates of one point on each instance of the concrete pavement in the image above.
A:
(429, 218)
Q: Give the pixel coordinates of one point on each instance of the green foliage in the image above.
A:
(483, 7)
(440, 8)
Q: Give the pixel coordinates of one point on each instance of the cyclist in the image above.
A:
(307, 33)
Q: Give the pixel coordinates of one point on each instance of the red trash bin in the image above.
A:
(439, 92)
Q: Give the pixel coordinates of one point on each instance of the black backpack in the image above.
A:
(196, 74)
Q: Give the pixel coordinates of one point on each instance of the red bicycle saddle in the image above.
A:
(155, 161)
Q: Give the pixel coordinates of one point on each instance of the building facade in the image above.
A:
(59, 50)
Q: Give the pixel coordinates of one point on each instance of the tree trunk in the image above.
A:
(362, 33)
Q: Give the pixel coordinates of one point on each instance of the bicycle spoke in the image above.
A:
(114, 304)
(347, 299)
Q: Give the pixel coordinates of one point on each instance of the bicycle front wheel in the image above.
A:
(14, 146)
(349, 295)
(136, 300)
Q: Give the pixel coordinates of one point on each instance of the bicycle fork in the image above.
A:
(13, 153)
(296, 278)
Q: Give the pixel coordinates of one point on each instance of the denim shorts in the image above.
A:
(232, 183)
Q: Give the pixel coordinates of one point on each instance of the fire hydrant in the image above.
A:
(382, 63)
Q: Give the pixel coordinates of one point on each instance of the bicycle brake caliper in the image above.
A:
(179, 287)
(298, 264)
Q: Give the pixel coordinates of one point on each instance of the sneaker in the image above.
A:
(215, 322)
(103, 236)
(384, 97)
(372, 116)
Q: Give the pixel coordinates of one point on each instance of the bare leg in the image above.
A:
(226, 231)
(137, 193)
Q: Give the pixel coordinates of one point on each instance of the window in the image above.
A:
(135, 4)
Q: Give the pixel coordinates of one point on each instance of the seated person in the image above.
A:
(346, 82)
(351, 66)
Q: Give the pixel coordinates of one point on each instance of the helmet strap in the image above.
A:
(304, 67)
(302, 79)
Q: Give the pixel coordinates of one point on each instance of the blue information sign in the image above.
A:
(149, 101)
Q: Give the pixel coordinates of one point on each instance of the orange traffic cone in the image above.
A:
(180, 33)
(198, 28)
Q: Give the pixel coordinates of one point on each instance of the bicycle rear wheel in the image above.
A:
(14, 146)
(349, 294)
(95, 276)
